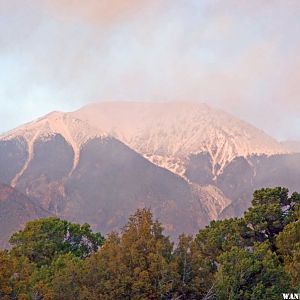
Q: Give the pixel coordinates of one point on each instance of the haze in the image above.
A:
(241, 56)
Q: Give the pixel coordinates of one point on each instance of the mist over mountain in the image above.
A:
(168, 133)
(79, 173)
(189, 162)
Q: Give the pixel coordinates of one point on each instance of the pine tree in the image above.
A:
(134, 265)
(288, 243)
(15, 273)
(248, 275)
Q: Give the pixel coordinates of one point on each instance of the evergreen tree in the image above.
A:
(221, 236)
(44, 239)
(60, 280)
(288, 243)
(271, 210)
(255, 274)
(134, 265)
(15, 273)
(254, 257)
(192, 271)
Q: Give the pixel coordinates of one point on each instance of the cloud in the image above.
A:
(97, 12)
(242, 56)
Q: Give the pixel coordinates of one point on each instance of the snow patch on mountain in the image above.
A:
(76, 132)
(168, 133)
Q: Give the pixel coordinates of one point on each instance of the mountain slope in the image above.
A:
(242, 176)
(15, 210)
(84, 175)
(74, 131)
(168, 133)
(100, 163)
(112, 181)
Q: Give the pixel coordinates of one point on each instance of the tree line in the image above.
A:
(256, 256)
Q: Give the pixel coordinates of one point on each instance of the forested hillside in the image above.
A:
(253, 257)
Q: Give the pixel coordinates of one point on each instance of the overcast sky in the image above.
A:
(242, 56)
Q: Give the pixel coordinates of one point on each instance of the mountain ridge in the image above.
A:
(15, 210)
(190, 163)
(168, 133)
(76, 132)
(110, 180)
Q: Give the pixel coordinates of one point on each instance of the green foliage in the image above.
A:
(288, 243)
(60, 280)
(193, 272)
(135, 265)
(254, 257)
(250, 274)
(14, 276)
(221, 236)
(271, 210)
(44, 239)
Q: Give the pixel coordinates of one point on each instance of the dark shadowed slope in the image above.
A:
(15, 210)
(81, 172)
(97, 179)
(243, 175)
(168, 133)
(111, 181)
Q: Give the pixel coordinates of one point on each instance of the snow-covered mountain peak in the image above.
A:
(167, 133)
(75, 131)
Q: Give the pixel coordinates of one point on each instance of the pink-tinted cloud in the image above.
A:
(242, 56)
(105, 13)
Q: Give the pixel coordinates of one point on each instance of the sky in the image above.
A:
(241, 56)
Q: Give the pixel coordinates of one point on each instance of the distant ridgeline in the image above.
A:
(256, 256)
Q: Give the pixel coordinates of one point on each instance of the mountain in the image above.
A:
(84, 175)
(15, 210)
(19, 144)
(169, 133)
(220, 155)
(189, 162)
(243, 175)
